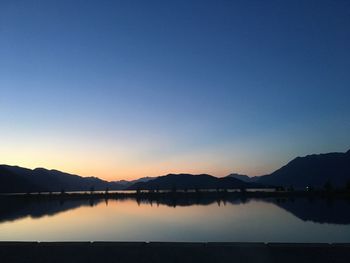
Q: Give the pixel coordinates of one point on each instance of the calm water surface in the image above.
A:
(298, 220)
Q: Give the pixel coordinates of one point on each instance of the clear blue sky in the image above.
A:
(122, 89)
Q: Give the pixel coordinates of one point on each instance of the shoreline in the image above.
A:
(155, 195)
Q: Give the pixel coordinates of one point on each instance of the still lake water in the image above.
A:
(252, 220)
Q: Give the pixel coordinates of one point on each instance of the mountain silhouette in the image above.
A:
(126, 183)
(244, 178)
(312, 171)
(14, 179)
(190, 181)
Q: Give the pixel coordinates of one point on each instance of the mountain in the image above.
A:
(143, 179)
(18, 179)
(190, 181)
(313, 171)
(11, 181)
(126, 183)
(244, 178)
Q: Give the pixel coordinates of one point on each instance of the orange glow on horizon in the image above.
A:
(115, 174)
(127, 163)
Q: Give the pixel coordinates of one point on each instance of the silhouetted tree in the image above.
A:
(63, 191)
(92, 189)
(106, 192)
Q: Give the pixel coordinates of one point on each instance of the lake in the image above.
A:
(190, 220)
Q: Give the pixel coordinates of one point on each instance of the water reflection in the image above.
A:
(11, 210)
(314, 210)
(317, 210)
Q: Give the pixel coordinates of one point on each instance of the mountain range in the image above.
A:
(310, 171)
(190, 181)
(126, 183)
(14, 179)
(244, 178)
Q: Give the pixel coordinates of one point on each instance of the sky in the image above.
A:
(125, 89)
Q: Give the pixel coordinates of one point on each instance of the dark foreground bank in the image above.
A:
(171, 252)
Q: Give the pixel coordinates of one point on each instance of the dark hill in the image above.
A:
(126, 183)
(312, 170)
(14, 179)
(189, 181)
(244, 178)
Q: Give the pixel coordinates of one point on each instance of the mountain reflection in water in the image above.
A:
(314, 210)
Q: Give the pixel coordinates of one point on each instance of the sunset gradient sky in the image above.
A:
(124, 89)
